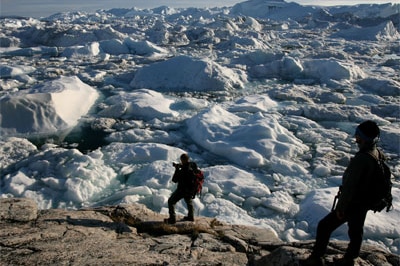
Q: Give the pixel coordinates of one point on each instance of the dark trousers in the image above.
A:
(355, 221)
(176, 196)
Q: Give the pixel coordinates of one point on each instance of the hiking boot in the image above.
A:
(170, 220)
(188, 219)
(312, 261)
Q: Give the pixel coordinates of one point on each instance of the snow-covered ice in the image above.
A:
(264, 96)
(193, 75)
(44, 109)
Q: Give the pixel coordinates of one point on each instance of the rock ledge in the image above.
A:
(135, 235)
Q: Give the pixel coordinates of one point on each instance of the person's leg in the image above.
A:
(324, 230)
(173, 199)
(356, 231)
(189, 204)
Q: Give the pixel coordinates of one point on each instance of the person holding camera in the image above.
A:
(184, 177)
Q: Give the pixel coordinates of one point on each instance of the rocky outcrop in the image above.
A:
(135, 235)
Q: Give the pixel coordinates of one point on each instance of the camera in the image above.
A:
(176, 165)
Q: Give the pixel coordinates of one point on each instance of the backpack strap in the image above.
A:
(380, 157)
(193, 166)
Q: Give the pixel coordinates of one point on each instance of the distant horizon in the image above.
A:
(43, 8)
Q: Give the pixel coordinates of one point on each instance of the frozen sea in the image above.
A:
(263, 95)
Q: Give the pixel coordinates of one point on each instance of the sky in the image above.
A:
(43, 8)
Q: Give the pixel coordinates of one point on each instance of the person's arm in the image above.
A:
(177, 175)
(352, 179)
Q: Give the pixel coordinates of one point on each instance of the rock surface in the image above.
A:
(135, 235)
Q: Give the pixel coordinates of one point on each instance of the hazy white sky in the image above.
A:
(38, 8)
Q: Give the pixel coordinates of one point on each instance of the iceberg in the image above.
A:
(52, 107)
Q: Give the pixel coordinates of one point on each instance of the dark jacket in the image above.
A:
(354, 190)
(185, 178)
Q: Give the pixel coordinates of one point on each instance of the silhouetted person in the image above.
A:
(184, 177)
(351, 206)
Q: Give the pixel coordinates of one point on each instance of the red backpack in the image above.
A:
(198, 180)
